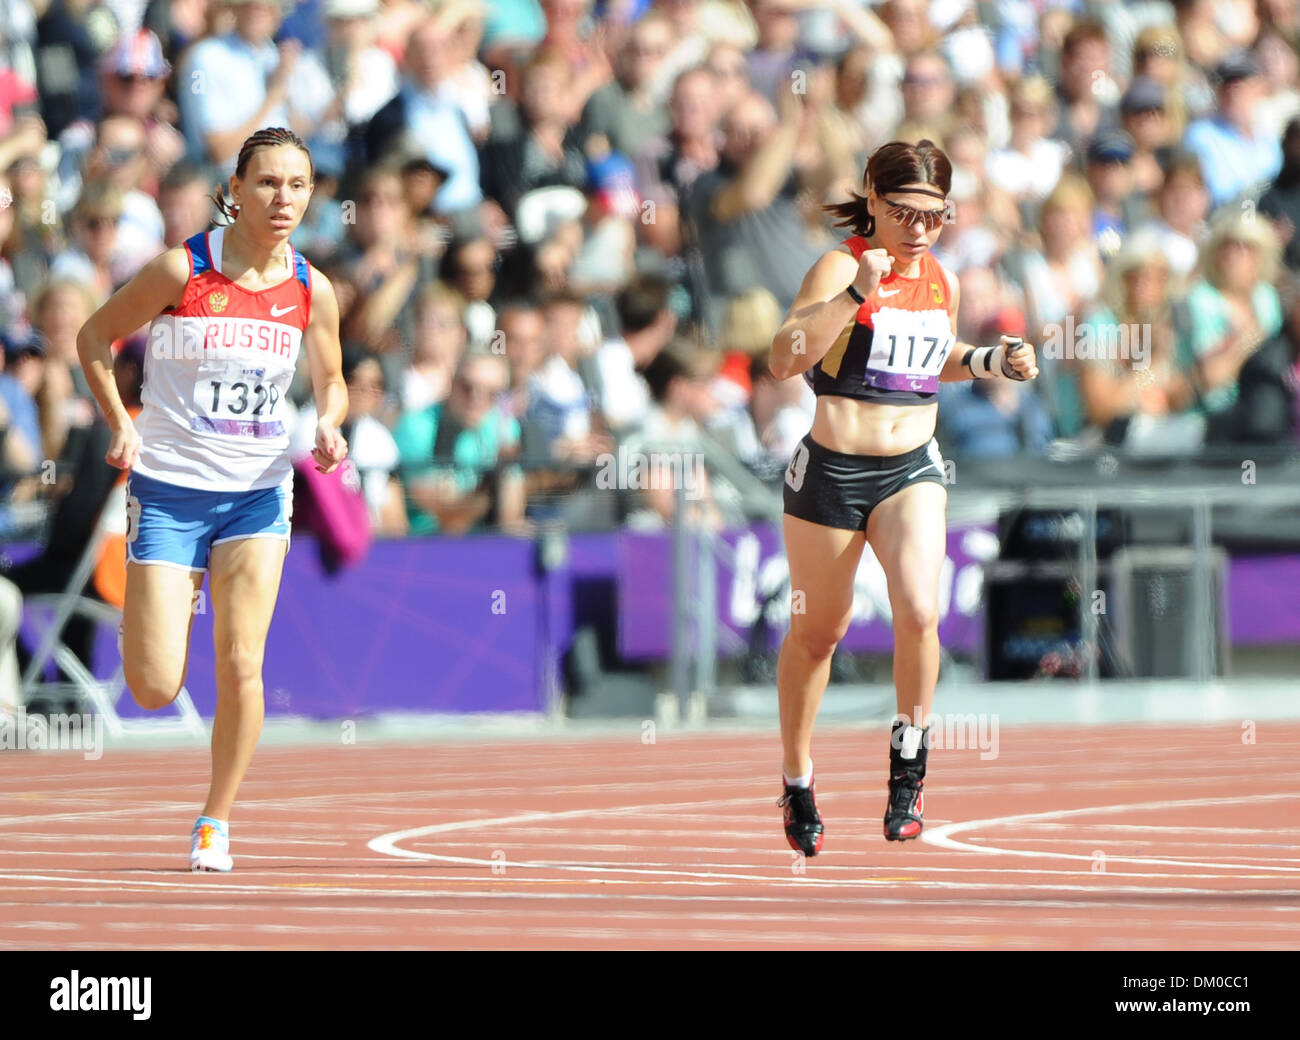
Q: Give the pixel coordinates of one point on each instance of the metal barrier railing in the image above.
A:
(698, 553)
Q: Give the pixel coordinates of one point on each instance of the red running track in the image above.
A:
(1140, 837)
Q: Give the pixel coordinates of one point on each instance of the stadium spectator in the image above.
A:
(1158, 55)
(1086, 94)
(1182, 205)
(679, 378)
(1066, 274)
(370, 445)
(1281, 102)
(606, 257)
(669, 165)
(748, 224)
(13, 305)
(1145, 120)
(1233, 308)
(132, 77)
(624, 111)
(70, 38)
(1267, 399)
(726, 61)
(1130, 386)
(239, 82)
(532, 144)
(17, 95)
(119, 158)
(1281, 203)
(470, 266)
(364, 74)
(589, 64)
(646, 324)
(380, 262)
(450, 453)
(78, 506)
(928, 96)
(1030, 165)
(521, 336)
(910, 25)
(1237, 156)
(1108, 166)
(994, 418)
(185, 201)
(94, 224)
(440, 341)
(561, 404)
(37, 232)
(58, 311)
(20, 424)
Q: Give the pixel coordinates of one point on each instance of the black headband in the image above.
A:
(915, 191)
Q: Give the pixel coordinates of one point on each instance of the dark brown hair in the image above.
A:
(890, 167)
(269, 137)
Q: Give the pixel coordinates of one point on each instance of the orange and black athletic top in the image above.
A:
(896, 345)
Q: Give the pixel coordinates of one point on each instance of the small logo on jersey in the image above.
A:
(217, 301)
(936, 294)
(888, 292)
(277, 311)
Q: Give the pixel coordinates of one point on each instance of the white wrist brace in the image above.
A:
(991, 363)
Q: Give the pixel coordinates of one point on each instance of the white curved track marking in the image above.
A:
(942, 836)
(389, 844)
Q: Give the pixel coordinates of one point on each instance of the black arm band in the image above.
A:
(857, 296)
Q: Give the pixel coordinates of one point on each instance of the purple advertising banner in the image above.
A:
(760, 581)
(473, 624)
(422, 625)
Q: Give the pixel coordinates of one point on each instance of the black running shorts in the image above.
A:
(837, 490)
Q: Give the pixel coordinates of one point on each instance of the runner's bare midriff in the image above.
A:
(855, 427)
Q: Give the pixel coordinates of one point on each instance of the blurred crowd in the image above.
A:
(563, 232)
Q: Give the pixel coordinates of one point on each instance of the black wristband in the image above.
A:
(852, 290)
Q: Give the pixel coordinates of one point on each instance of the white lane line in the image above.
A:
(390, 844)
(943, 836)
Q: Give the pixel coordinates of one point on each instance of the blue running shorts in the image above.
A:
(177, 526)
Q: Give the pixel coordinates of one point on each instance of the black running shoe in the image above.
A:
(803, 824)
(906, 781)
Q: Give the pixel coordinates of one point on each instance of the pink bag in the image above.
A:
(333, 507)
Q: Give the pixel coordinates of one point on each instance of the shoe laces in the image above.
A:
(903, 789)
(206, 831)
(802, 806)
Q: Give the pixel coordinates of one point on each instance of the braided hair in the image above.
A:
(268, 137)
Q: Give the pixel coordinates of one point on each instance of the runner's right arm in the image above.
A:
(158, 285)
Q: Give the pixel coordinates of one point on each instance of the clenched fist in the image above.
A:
(874, 265)
(1018, 360)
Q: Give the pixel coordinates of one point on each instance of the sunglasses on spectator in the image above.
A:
(930, 219)
(121, 156)
(924, 81)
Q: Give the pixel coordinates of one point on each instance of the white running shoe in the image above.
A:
(210, 849)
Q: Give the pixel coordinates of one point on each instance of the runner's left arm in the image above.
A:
(325, 360)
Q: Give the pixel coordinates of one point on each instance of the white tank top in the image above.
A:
(216, 376)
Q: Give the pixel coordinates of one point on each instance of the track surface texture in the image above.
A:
(1133, 837)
